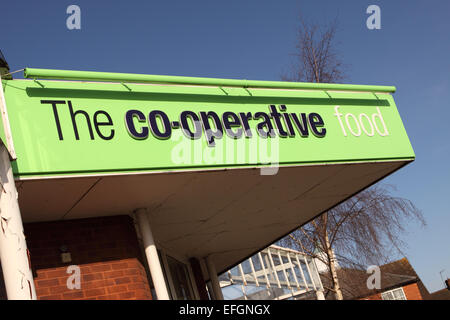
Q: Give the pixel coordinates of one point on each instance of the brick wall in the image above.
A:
(106, 250)
(412, 292)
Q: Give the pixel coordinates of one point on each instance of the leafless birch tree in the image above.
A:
(367, 228)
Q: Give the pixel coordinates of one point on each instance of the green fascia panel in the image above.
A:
(43, 151)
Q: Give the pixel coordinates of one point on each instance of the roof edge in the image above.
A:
(35, 73)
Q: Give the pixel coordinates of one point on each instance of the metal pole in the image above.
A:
(14, 254)
(152, 255)
(214, 279)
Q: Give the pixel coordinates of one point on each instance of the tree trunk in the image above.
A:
(332, 265)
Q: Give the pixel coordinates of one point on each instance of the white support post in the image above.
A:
(152, 255)
(214, 279)
(14, 254)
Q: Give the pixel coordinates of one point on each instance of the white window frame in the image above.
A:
(166, 270)
(383, 294)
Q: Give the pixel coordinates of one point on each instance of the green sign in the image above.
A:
(62, 128)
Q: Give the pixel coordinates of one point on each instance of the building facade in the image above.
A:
(125, 186)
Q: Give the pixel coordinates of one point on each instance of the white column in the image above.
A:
(214, 279)
(152, 255)
(14, 255)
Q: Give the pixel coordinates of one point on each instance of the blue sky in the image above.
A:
(256, 40)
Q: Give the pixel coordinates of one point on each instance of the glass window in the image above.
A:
(233, 292)
(291, 277)
(248, 273)
(224, 277)
(258, 269)
(280, 274)
(236, 274)
(305, 272)
(285, 259)
(269, 269)
(396, 294)
(256, 293)
(275, 259)
(256, 263)
(180, 279)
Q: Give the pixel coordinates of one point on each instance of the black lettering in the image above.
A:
(97, 124)
(211, 134)
(266, 123)
(316, 121)
(287, 121)
(74, 123)
(55, 114)
(244, 120)
(184, 117)
(302, 126)
(157, 133)
(275, 115)
(129, 123)
(228, 124)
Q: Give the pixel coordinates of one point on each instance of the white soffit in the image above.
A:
(230, 214)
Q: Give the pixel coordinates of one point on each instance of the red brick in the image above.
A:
(41, 274)
(127, 295)
(73, 295)
(47, 283)
(113, 274)
(143, 294)
(85, 270)
(106, 249)
(59, 289)
(134, 286)
(95, 292)
(123, 280)
(132, 272)
(101, 267)
(117, 289)
(93, 276)
(118, 266)
(57, 273)
(42, 291)
(51, 297)
(109, 297)
(97, 284)
(412, 292)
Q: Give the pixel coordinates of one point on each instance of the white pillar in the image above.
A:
(214, 279)
(14, 255)
(152, 255)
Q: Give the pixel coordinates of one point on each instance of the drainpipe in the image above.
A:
(152, 255)
(214, 279)
(14, 254)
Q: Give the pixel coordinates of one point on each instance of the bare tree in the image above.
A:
(364, 230)
(317, 59)
(367, 228)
